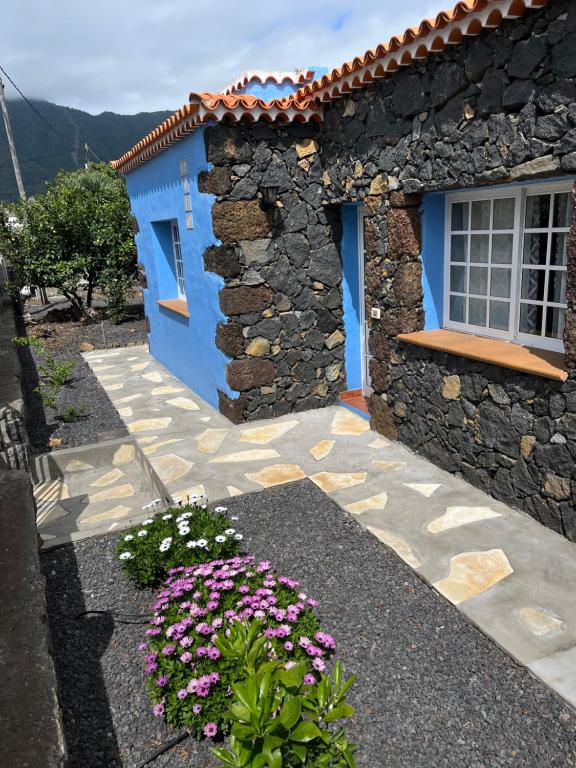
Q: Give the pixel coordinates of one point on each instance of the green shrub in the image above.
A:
(70, 414)
(282, 720)
(177, 536)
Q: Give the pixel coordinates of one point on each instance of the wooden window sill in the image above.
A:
(540, 362)
(179, 306)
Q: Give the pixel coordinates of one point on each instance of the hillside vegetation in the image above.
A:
(43, 152)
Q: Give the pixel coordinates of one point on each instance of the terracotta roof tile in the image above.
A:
(467, 18)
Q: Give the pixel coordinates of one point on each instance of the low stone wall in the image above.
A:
(13, 438)
(32, 733)
(512, 435)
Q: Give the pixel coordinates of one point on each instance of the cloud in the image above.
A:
(129, 56)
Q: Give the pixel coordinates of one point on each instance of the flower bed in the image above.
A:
(189, 678)
(177, 536)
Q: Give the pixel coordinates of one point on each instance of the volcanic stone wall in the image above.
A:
(497, 108)
(282, 271)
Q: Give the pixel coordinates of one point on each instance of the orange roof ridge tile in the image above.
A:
(466, 18)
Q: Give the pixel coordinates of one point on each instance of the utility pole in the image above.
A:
(11, 144)
(22, 192)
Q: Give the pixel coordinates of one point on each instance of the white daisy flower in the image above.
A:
(126, 556)
(184, 530)
(202, 543)
(128, 537)
(142, 533)
(167, 517)
(220, 509)
(167, 540)
(238, 536)
(220, 539)
(147, 522)
(191, 544)
(203, 506)
(233, 518)
(186, 515)
(230, 531)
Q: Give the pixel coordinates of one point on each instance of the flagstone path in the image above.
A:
(510, 575)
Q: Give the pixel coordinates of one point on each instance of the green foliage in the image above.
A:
(279, 718)
(173, 537)
(55, 374)
(72, 413)
(108, 134)
(81, 229)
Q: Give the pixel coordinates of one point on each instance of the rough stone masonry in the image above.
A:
(496, 108)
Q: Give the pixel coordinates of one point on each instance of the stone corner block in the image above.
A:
(243, 299)
(235, 220)
(215, 182)
(242, 375)
(404, 233)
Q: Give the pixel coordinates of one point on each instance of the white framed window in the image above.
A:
(505, 262)
(178, 264)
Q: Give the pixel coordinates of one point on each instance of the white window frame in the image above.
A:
(519, 193)
(178, 262)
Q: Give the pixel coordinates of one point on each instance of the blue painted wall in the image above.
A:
(432, 211)
(351, 294)
(186, 346)
(271, 90)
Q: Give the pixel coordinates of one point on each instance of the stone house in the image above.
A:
(400, 228)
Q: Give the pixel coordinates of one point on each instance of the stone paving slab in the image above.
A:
(511, 576)
(90, 490)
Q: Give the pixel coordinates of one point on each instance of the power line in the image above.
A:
(40, 115)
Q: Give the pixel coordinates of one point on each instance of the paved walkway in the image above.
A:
(510, 575)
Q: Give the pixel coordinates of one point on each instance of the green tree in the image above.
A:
(80, 230)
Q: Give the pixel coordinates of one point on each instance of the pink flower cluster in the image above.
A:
(197, 605)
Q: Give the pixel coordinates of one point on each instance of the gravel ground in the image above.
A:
(432, 690)
(83, 391)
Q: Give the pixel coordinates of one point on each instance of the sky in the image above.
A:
(129, 56)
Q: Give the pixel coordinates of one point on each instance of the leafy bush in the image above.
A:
(54, 375)
(177, 536)
(79, 232)
(280, 721)
(196, 646)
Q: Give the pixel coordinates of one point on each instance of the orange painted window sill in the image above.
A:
(179, 306)
(540, 362)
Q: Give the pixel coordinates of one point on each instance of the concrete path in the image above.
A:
(510, 575)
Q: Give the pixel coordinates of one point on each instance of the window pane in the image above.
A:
(533, 284)
(459, 217)
(459, 247)
(458, 279)
(530, 319)
(502, 249)
(562, 210)
(477, 311)
(457, 309)
(537, 211)
(554, 323)
(480, 214)
(479, 247)
(558, 249)
(478, 280)
(535, 248)
(557, 286)
(504, 213)
(499, 315)
(500, 283)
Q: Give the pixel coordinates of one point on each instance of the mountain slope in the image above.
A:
(42, 152)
